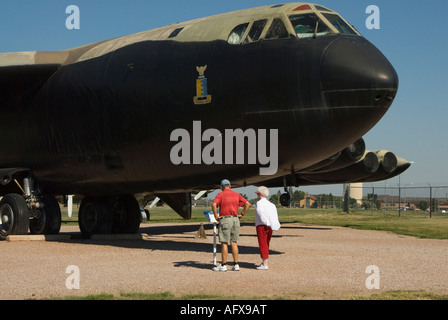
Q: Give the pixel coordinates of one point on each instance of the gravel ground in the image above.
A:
(306, 262)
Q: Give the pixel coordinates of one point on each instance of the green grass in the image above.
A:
(155, 296)
(417, 225)
(404, 295)
(388, 295)
(121, 296)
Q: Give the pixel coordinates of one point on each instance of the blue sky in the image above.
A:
(412, 35)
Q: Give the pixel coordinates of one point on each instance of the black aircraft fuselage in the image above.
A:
(144, 113)
(103, 126)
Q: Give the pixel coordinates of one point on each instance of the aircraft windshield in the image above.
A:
(338, 23)
(307, 25)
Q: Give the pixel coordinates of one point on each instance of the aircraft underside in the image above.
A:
(25, 207)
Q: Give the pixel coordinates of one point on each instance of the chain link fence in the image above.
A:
(402, 200)
(387, 199)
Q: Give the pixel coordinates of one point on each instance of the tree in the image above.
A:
(434, 205)
(274, 198)
(330, 198)
(371, 198)
(423, 205)
(297, 195)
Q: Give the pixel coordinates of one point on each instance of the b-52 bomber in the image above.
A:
(278, 95)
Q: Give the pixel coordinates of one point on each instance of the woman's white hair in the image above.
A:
(263, 191)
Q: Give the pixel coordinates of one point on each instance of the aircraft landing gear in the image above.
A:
(126, 215)
(46, 220)
(14, 216)
(285, 199)
(44, 210)
(94, 216)
(107, 215)
(34, 210)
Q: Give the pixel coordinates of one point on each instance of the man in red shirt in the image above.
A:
(229, 202)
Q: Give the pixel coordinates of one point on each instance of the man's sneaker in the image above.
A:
(236, 267)
(220, 268)
(262, 267)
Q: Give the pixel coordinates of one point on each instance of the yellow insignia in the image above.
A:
(202, 96)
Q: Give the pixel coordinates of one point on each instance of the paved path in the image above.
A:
(306, 262)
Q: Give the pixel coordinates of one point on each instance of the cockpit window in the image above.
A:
(308, 25)
(277, 30)
(236, 36)
(175, 32)
(256, 30)
(338, 23)
(320, 8)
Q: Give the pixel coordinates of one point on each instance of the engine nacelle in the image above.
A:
(346, 157)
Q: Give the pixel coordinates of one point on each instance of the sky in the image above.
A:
(413, 35)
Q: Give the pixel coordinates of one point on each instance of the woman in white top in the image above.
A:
(266, 221)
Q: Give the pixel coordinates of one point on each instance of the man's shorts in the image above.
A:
(229, 229)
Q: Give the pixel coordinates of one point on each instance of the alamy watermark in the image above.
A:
(73, 281)
(73, 21)
(226, 147)
(373, 280)
(373, 20)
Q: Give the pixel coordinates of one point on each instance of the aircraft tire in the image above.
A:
(50, 220)
(14, 215)
(95, 216)
(126, 215)
(285, 199)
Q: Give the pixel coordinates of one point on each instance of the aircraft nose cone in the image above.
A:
(354, 65)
